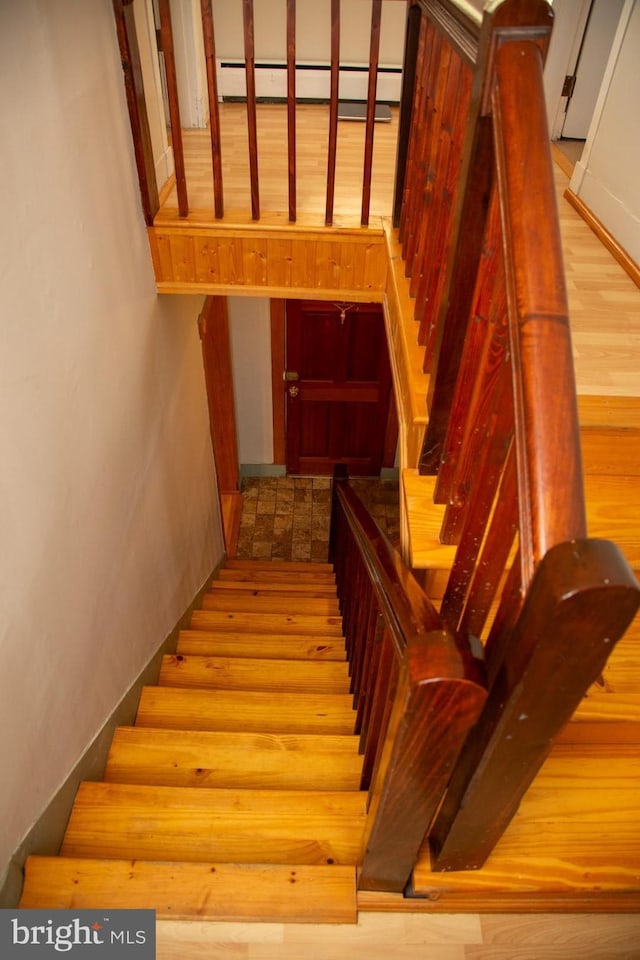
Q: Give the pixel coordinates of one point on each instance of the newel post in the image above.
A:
(581, 601)
(438, 698)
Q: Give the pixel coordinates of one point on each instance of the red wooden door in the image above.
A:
(338, 407)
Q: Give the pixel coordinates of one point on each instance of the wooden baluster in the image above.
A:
(252, 124)
(364, 678)
(477, 509)
(442, 227)
(291, 105)
(374, 50)
(495, 553)
(509, 610)
(333, 109)
(382, 695)
(214, 113)
(365, 705)
(481, 309)
(581, 600)
(426, 119)
(485, 402)
(361, 638)
(409, 74)
(136, 104)
(166, 32)
(415, 131)
(428, 201)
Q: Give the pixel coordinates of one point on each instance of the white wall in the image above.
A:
(250, 325)
(313, 31)
(606, 178)
(110, 520)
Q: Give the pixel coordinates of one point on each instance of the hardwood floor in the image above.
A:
(604, 302)
(409, 936)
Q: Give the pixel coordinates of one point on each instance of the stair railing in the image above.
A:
(480, 234)
(417, 690)
(139, 123)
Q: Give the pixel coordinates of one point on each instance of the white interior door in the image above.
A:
(594, 54)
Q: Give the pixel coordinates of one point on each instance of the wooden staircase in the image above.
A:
(236, 793)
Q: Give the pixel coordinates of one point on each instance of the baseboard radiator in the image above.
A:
(312, 81)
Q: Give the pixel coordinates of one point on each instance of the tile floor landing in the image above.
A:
(287, 518)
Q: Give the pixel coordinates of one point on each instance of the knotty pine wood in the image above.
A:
(291, 589)
(177, 708)
(244, 673)
(235, 826)
(229, 644)
(234, 892)
(206, 759)
(270, 567)
(330, 626)
(274, 602)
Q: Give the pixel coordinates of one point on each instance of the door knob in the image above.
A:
(294, 391)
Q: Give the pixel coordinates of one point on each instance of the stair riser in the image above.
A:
(267, 623)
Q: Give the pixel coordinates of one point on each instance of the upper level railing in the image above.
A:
(417, 688)
(135, 95)
(476, 211)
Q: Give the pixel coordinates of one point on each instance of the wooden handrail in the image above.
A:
(503, 433)
(418, 690)
(547, 433)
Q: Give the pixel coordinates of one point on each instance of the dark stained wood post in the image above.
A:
(433, 711)
(582, 599)
(291, 105)
(250, 70)
(333, 109)
(409, 69)
(214, 113)
(138, 118)
(166, 32)
(374, 51)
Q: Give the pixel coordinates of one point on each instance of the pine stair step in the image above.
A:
(241, 673)
(286, 566)
(278, 576)
(194, 891)
(261, 645)
(267, 588)
(115, 821)
(286, 623)
(187, 758)
(613, 512)
(241, 602)
(183, 708)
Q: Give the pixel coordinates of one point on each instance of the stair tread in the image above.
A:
(274, 603)
(261, 645)
(267, 622)
(211, 759)
(287, 566)
(575, 831)
(268, 588)
(239, 826)
(184, 708)
(178, 890)
(277, 576)
(243, 673)
(613, 512)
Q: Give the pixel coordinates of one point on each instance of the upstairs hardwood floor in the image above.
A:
(604, 302)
